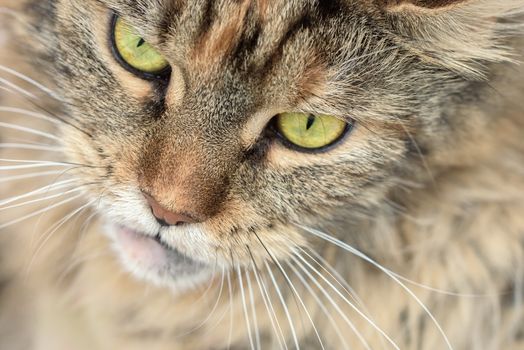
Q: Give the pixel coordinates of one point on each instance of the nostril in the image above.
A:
(166, 217)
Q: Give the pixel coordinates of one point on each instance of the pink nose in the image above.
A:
(166, 217)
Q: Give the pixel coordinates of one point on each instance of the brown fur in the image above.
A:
(429, 184)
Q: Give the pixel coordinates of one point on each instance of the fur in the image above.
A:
(428, 185)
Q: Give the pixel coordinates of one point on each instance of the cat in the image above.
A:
(236, 174)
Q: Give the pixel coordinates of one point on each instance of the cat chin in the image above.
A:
(148, 259)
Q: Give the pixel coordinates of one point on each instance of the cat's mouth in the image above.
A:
(152, 255)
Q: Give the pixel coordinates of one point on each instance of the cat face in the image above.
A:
(190, 161)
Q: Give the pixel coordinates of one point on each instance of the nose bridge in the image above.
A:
(187, 169)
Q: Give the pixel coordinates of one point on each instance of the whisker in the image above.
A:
(335, 305)
(294, 290)
(246, 316)
(7, 89)
(269, 305)
(325, 266)
(253, 311)
(215, 306)
(364, 316)
(54, 186)
(31, 166)
(30, 176)
(26, 146)
(17, 88)
(52, 117)
(40, 199)
(284, 306)
(28, 113)
(364, 257)
(29, 131)
(320, 304)
(333, 273)
(30, 81)
(28, 161)
(53, 229)
(41, 211)
(230, 289)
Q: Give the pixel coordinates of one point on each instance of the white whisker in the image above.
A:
(324, 265)
(335, 305)
(30, 176)
(32, 166)
(270, 311)
(26, 146)
(364, 257)
(43, 199)
(330, 270)
(284, 306)
(28, 161)
(29, 131)
(320, 304)
(29, 216)
(294, 290)
(31, 81)
(230, 288)
(194, 329)
(53, 229)
(246, 316)
(54, 186)
(17, 88)
(28, 113)
(253, 310)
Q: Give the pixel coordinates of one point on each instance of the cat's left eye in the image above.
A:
(134, 53)
(309, 132)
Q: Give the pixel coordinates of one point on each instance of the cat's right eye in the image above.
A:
(309, 132)
(134, 53)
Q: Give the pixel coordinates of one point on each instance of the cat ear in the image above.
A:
(460, 35)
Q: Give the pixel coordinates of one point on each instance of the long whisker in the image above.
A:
(335, 305)
(61, 194)
(364, 257)
(320, 304)
(230, 289)
(269, 305)
(28, 113)
(212, 310)
(294, 290)
(30, 176)
(31, 81)
(246, 316)
(325, 266)
(330, 270)
(364, 316)
(53, 229)
(45, 162)
(17, 88)
(26, 146)
(29, 131)
(52, 117)
(38, 212)
(253, 310)
(54, 186)
(284, 306)
(31, 166)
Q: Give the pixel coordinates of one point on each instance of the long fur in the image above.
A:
(428, 191)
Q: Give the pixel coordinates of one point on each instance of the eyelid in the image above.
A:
(162, 75)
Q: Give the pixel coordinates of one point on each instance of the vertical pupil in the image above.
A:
(310, 121)
(141, 42)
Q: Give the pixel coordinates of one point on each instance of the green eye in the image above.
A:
(134, 51)
(310, 131)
